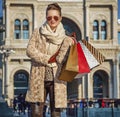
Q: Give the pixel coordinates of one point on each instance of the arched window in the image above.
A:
(25, 29)
(97, 86)
(100, 84)
(17, 26)
(103, 30)
(95, 30)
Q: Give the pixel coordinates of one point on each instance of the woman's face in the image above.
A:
(53, 18)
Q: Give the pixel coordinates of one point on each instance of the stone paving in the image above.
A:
(5, 111)
(26, 114)
(21, 115)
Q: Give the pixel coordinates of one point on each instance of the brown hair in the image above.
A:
(53, 6)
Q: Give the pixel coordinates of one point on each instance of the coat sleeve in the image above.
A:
(64, 50)
(33, 52)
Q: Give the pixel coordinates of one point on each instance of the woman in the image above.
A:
(48, 49)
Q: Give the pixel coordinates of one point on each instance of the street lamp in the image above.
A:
(5, 52)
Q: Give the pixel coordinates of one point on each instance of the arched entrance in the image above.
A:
(20, 82)
(71, 27)
(100, 84)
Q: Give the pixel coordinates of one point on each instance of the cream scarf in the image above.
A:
(56, 37)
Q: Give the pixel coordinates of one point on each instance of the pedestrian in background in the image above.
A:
(19, 103)
(48, 49)
(15, 104)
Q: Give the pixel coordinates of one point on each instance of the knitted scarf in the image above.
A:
(56, 37)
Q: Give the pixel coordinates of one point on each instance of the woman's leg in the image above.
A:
(55, 112)
(37, 109)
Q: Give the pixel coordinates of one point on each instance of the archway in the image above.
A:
(70, 27)
(20, 82)
(100, 84)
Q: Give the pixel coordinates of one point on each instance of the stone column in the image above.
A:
(6, 77)
(35, 16)
(114, 21)
(89, 88)
(118, 76)
(115, 78)
(3, 75)
(80, 92)
(87, 21)
(7, 21)
(108, 31)
(110, 82)
(83, 87)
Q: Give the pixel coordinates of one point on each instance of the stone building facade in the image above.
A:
(92, 19)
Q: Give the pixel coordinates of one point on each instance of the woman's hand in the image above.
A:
(53, 58)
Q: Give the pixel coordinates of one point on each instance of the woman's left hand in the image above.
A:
(53, 58)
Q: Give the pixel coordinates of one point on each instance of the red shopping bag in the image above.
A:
(82, 62)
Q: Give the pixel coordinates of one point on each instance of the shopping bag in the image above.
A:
(82, 58)
(91, 60)
(82, 61)
(67, 75)
(95, 52)
(72, 61)
(76, 63)
(93, 56)
(76, 60)
(72, 65)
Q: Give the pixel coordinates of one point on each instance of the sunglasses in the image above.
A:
(49, 18)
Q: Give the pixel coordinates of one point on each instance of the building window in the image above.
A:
(17, 32)
(98, 86)
(118, 37)
(103, 30)
(25, 29)
(21, 29)
(95, 30)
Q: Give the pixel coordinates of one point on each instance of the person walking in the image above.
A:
(48, 48)
(15, 106)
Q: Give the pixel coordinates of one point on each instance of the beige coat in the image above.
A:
(36, 50)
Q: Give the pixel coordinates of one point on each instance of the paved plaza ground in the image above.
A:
(63, 114)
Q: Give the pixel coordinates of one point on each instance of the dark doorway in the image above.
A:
(100, 84)
(20, 82)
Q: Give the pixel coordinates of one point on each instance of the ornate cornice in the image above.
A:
(109, 53)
